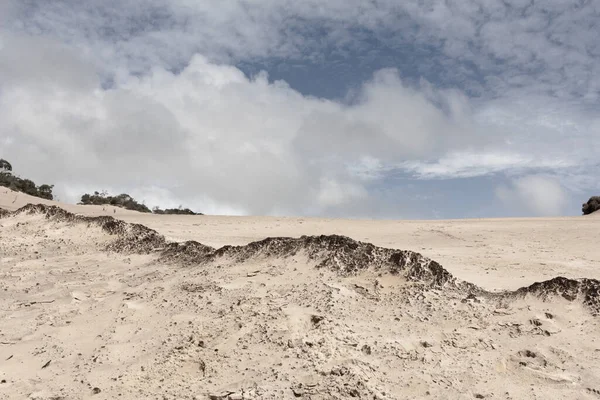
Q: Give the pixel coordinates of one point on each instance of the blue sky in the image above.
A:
(378, 109)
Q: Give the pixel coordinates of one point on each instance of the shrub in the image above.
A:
(177, 211)
(5, 166)
(13, 182)
(593, 204)
(123, 200)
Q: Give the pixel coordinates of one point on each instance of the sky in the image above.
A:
(413, 109)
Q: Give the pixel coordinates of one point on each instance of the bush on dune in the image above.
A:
(123, 200)
(44, 191)
(592, 205)
(176, 211)
(126, 201)
(5, 166)
(13, 182)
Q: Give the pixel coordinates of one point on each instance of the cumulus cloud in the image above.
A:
(537, 195)
(210, 135)
(149, 98)
(34, 61)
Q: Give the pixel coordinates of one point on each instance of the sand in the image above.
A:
(103, 310)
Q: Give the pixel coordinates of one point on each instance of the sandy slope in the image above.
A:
(93, 310)
(493, 253)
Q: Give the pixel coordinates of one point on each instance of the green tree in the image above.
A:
(45, 191)
(28, 186)
(592, 205)
(5, 166)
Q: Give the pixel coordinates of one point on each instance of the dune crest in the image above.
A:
(95, 307)
(338, 253)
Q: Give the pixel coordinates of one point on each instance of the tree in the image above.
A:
(5, 166)
(45, 192)
(592, 205)
(122, 200)
(28, 186)
(13, 182)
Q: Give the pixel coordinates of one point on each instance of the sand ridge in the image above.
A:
(100, 308)
(340, 254)
(497, 254)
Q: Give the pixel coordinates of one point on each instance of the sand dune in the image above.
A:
(493, 253)
(96, 307)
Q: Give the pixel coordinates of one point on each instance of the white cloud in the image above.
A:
(536, 195)
(143, 97)
(334, 194)
(472, 164)
(209, 135)
(545, 47)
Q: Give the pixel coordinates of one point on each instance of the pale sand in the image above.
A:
(136, 327)
(502, 253)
